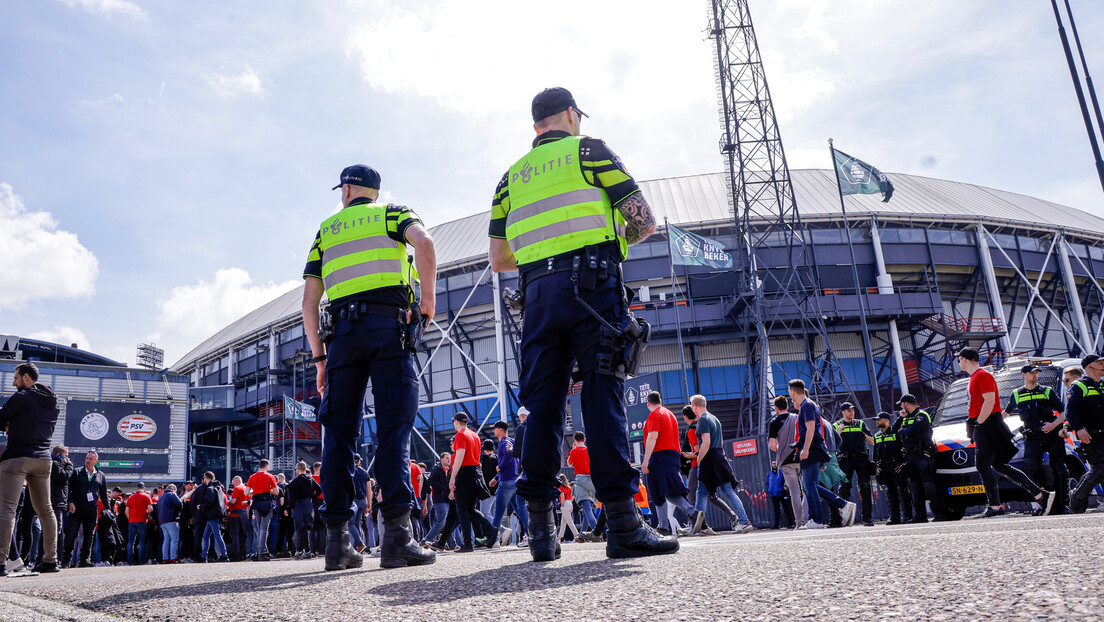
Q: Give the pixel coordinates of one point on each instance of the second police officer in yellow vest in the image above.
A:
(1041, 412)
(563, 216)
(359, 259)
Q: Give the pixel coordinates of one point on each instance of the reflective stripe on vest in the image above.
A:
(885, 437)
(357, 254)
(854, 426)
(553, 210)
(1086, 390)
(1030, 395)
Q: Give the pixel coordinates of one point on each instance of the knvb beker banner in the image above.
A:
(114, 424)
(690, 249)
(298, 411)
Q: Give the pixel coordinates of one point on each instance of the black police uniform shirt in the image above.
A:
(885, 449)
(1085, 412)
(1035, 413)
(854, 442)
(399, 219)
(601, 168)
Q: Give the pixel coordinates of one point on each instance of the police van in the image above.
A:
(957, 480)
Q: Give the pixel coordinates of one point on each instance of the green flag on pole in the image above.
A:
(858, 177)
(688, 249)
(294, 409)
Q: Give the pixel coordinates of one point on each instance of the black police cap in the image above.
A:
(907, 398)
(1089, 360)
(847, 406)
(553, 101)
(1028, 368)
(359, 175)
(883, 415)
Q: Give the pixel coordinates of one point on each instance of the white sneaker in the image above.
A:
(684, 532)
(15, 565)
(848, 514)
(504, 536)
(814, 525)
(746, 527)
(377, 552)
(706, 531)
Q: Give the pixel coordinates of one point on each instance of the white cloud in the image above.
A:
(32, 246)
(64, 335)
(110, 7)
(191, 313)
(231, 85)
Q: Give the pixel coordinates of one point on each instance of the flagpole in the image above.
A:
(873, 374)
(678, 322)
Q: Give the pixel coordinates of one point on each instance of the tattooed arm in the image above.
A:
(639, 220)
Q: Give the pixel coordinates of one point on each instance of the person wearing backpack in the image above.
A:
(213, 508)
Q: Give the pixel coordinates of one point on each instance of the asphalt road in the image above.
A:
(1008, 568)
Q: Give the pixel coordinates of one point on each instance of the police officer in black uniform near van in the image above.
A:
(889, 457)
(1085, 412)
(914, 429)
(854, 459)
(1041, 411)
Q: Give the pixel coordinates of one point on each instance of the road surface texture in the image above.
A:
(1009, 568)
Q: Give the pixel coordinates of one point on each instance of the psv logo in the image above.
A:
(137, 428)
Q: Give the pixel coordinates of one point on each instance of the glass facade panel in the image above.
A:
(827, 236)
(207, 398)
(1032, 244)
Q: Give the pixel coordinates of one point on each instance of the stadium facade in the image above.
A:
(135, 418)
(943, 265)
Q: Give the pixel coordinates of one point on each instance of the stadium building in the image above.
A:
(944, 265)
(136, 419)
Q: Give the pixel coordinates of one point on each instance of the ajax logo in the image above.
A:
(137, 428)
(94, 426)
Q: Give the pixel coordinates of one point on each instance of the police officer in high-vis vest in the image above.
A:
(360, 260)
(563, 216)
(914, 429)
(1085, 413)
(1042, 414)
(889, 458)
(854, 459)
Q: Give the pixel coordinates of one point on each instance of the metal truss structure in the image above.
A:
(778, 295)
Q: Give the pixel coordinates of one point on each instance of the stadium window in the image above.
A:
(860, 235)
(1080, 250)
(291, 334)
(1096, 252)
(1003, 240)
(940, 236)
(827, 236)
(1031, 244)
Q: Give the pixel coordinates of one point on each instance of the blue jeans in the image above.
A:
(440, 514)
(810, 482)
(170, 541)
(356, 522)
(590, 521)
(261, 523)
(552, 330)
(368, 349)
(726, 494)
(136, 542)
(505, 493)
(211, 533)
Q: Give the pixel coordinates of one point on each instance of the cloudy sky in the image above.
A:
(163, 164)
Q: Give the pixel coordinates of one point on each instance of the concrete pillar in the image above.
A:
(885, 286)
(1085, 336)
(996, 308)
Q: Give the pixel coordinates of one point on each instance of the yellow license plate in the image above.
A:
(967, 490)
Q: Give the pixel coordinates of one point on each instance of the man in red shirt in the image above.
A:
(992, 438)
(237, 504)
(264, 490)
(138, 510)
(661, 464)
(467, 486)
(579, 459)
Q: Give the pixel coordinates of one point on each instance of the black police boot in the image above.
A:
(398, 548)
(543, 544)
(629, 536)
(340, 553)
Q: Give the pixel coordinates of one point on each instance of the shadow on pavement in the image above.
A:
(523, 577)
(279, 583)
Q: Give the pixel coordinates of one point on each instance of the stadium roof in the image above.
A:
(697, 200)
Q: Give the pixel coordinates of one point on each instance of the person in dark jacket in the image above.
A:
(519, 433)
(61, 469)
(437, 489)
(168, 517)
(302, 492)
(212, 507)
(29, 417)
(87, 488)
(112, 542)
